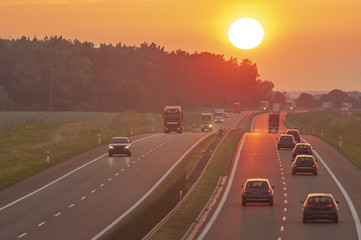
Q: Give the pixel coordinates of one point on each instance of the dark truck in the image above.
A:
(273, 122)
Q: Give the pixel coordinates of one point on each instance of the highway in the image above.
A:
(259, 157)
(83, 196)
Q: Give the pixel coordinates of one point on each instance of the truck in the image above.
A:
(206, 121)
(276, 107)
(346, 106)
(173, 119)
(274, 121)
(264, 105)
(218, 114)
(236, 107)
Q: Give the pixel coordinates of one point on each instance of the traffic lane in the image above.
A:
(298, 186)
(43, 206)
(36, 181)
(258, 158)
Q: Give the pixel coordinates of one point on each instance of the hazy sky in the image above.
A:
(308, 45)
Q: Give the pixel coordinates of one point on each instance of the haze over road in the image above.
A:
(83, 202)
(259, 157)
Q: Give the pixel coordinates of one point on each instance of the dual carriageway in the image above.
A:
(83, 197)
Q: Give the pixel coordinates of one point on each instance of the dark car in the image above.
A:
(320, 206)
(295, 133)
(285, 141)
(304, 164)
(120, 145)
(302, 149)
(257, 190)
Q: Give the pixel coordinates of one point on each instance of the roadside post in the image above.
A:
(340, 141)
(322, 133)
(180, 194)
(100, 140)
(48, 156)
(131, 131)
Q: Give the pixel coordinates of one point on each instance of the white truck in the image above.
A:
(218, 115)
(276, 107)
(326, 105)
(346, 106)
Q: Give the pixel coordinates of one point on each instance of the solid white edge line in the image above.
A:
(225, 195)
(348, 199)
(150, 191)
(64, 176)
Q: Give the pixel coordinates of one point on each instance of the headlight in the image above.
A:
(210, 125)
(127, 147)
(111, 147)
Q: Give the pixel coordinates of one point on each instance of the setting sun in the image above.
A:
(245, 33)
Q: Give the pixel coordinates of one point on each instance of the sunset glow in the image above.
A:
(245, 33)
(304, 33)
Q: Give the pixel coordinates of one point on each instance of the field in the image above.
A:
(25, 137)
(330, 126)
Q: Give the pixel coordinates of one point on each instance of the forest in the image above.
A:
(56, 74)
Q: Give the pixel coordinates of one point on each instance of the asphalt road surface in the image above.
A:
(259, 157)
(83, 196)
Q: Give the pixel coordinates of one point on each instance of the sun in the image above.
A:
(245, 33)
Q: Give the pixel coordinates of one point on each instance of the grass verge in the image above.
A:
(220, 164)
(330, 126)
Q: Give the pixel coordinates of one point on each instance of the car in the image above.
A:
(295, 133)
(320, 206)
(304, 164)
(257, 190)
(225, 114)
(218, 120)
(285, 141)
(302, 148)
(119, 145)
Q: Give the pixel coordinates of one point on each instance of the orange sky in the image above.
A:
(308, 45)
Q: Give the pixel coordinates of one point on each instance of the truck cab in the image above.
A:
(173, 119)
(206, 122)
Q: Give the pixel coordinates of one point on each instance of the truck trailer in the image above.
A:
(173, 119)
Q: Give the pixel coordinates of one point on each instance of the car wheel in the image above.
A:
(315, 173)
(129, 154)
(110, 155)
(336, 219)
(243, 202)
(278, 147)
(293, 172)
(304, 219)
(271, 202)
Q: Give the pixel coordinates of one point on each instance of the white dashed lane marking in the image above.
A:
(57, 214)
(41, 224)
(71, 205)
(22, 235)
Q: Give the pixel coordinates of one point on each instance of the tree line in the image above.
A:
(56, 74)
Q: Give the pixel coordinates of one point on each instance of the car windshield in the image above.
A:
(257, 184)
(305, 160)
(119, 140)
(319, 200)
(303, 147)
(286, 138)
(295, 133)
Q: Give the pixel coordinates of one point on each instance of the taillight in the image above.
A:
(293, 141)
(309, 150)
(314, 166)
(330, 205)
(279, 140)
(295, 165)
(269, 190)
(244, 190)
(307, 205)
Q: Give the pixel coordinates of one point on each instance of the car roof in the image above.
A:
(304, 156)
(257, 179)
(286, 135)
(319, 195)
(304, 144)
(296, 130)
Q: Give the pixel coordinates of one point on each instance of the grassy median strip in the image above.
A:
(161, 201)
(330, 126)
(183, 218)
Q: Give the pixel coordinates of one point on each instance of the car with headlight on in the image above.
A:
(257, 190)
(302, 149)
(286, 141)
(119, 145)
(320, 206)
(304, 164)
